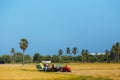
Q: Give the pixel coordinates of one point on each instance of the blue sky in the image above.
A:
(50, 25)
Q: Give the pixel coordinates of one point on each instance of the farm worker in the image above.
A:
(46, 66)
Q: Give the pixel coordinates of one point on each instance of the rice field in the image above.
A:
(96, 71)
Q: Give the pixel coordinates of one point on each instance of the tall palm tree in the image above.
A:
(68, 50)
(60, 52)
(74, 51)
(96, 56)
(86, 55)
(13, 52)
(117, 47)
(106, 55)
(83, 54)
(113, 53)
(23, 46)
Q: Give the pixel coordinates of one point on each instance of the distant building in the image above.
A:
(96, 53)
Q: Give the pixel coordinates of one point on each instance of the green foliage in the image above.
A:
(60, 52)
(68, 50)
(47, 58)
(55, 58)
(74, 50)
(115, 52)
(5, 59)
(112, 55)
(23, 46)
(36, 57)
(85, 56)
(18, 58)
(101, 58)
(28, 58)
(13, 52)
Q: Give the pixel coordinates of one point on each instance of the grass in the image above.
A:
(95, 71)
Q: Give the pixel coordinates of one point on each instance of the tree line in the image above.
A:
(112, 55)
(15, 58)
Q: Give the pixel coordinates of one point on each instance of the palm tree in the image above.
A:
(23, 46)
(86, 55)
(96, 56)
(74, 51)
(113, 53)
(117, 50)
(68, 50)
(83, 54)
(13, 52)
(60, 52)
(106, 55)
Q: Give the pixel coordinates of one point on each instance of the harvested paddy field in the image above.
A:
(95, 71)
